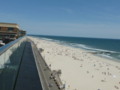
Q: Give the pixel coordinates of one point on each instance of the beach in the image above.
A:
(80, 70)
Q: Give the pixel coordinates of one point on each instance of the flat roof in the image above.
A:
(9, 25)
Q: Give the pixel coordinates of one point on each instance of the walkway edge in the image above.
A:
(39, 68)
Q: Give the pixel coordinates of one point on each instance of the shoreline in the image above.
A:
(95, 53)
(79, 68)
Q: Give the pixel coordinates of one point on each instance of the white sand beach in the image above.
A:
(80, 69)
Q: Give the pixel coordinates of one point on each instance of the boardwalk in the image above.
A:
(44, 71)
(28, 78)
(34, 74)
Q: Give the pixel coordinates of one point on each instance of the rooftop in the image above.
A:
(9, 25)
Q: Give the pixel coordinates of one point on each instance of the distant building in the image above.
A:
(22, 33)
(9, 30)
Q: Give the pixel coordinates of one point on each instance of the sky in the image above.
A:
(79, 18)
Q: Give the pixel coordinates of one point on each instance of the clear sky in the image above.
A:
(81, 18)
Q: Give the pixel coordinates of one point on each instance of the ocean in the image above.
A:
(108, 48)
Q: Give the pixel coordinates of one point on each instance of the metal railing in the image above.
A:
(10, 59)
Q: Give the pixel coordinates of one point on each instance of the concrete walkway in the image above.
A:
(44, 71)
(28, 78)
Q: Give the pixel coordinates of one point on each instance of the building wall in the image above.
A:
(10, 32)
(9, 29)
